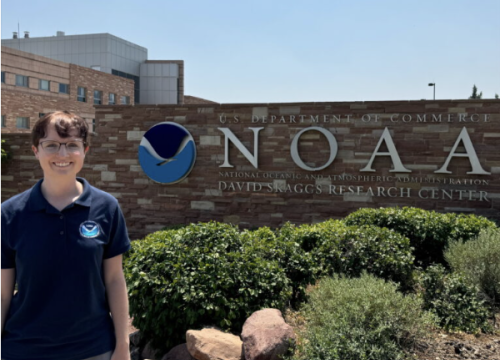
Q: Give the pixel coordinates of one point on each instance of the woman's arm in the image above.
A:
(8, 280)
(116, 290)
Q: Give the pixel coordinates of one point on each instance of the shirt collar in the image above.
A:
(38, 202)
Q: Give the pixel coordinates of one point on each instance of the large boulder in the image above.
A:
(266, 335)
(180, 352)
(213, 344)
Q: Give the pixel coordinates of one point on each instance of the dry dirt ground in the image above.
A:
(447, 346)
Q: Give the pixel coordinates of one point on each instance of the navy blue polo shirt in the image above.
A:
(60, 310)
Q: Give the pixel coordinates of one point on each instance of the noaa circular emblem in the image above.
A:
(89, 229)
(167, 153)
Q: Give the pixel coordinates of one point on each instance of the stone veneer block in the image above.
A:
(144, 201)
(135, 135)
(202, 205)
(113, 116)
(7, 178)
(108, 176)
(213, 192)
(324, 182)
(136, 168)
(28, 157)
(206, 140)
(487, 135)
(259, 111)
(126, 162)
(358, 107)
(141, 181)
(357, 198)
(456, 110)
(101, 167)
(289, 110)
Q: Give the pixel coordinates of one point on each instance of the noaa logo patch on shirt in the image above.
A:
(89, 229)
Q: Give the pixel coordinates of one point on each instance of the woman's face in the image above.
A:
(68, 161)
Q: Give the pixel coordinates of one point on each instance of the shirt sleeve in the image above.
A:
(119, 241)
(8, 253)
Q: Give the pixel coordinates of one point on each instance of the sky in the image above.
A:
(265, 51)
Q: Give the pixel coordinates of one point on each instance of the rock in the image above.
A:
(266, 336)
(180, 352)
(212, 344)
(135, 338)
(148, 352)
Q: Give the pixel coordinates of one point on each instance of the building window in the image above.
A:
(3, 121)
(124, 100)
(112, 99)
(64, 88)
(97, 97)
(81, 94)
(95, 67)
(3, 77)
(23, 122)
(21, 80)
(44, 85)
(41, 115)
(137, 83)
(93, 125)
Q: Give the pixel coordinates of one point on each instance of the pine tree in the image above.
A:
(475, 95)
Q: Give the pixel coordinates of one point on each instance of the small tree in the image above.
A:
(496, 96)
(475, 95)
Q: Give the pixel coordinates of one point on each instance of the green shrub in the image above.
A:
(429, 232)
(338, 248)
(196, 276)
(453, 301)
(299, 266)
(360, 318)
(479, 261)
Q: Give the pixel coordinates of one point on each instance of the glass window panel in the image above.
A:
(81, 94)
(44, 85)
(23, 122)
(21, 80)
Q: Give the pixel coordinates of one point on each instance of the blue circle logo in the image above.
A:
(167, 153)
(89, 229)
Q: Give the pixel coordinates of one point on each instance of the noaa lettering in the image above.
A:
(254, 159)
(386, 137)
(294, 150)
(393, 153)
(470, 153)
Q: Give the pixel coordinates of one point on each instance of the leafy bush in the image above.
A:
(360, 318)
(338, 248)
(479, 261)
(199, 275)
(429, 232)
(299, 266)
(453, 300)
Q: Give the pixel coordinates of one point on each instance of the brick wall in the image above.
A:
(423, 132)
(29, 101)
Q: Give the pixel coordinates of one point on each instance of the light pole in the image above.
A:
(434, 86)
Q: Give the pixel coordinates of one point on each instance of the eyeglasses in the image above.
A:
(52, 147)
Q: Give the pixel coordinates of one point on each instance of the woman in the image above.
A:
(62, 243)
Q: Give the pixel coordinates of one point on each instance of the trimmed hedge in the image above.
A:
(429, 232)
(337, 248)
(200, 275)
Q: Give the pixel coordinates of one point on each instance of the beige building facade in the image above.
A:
(34, 85)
